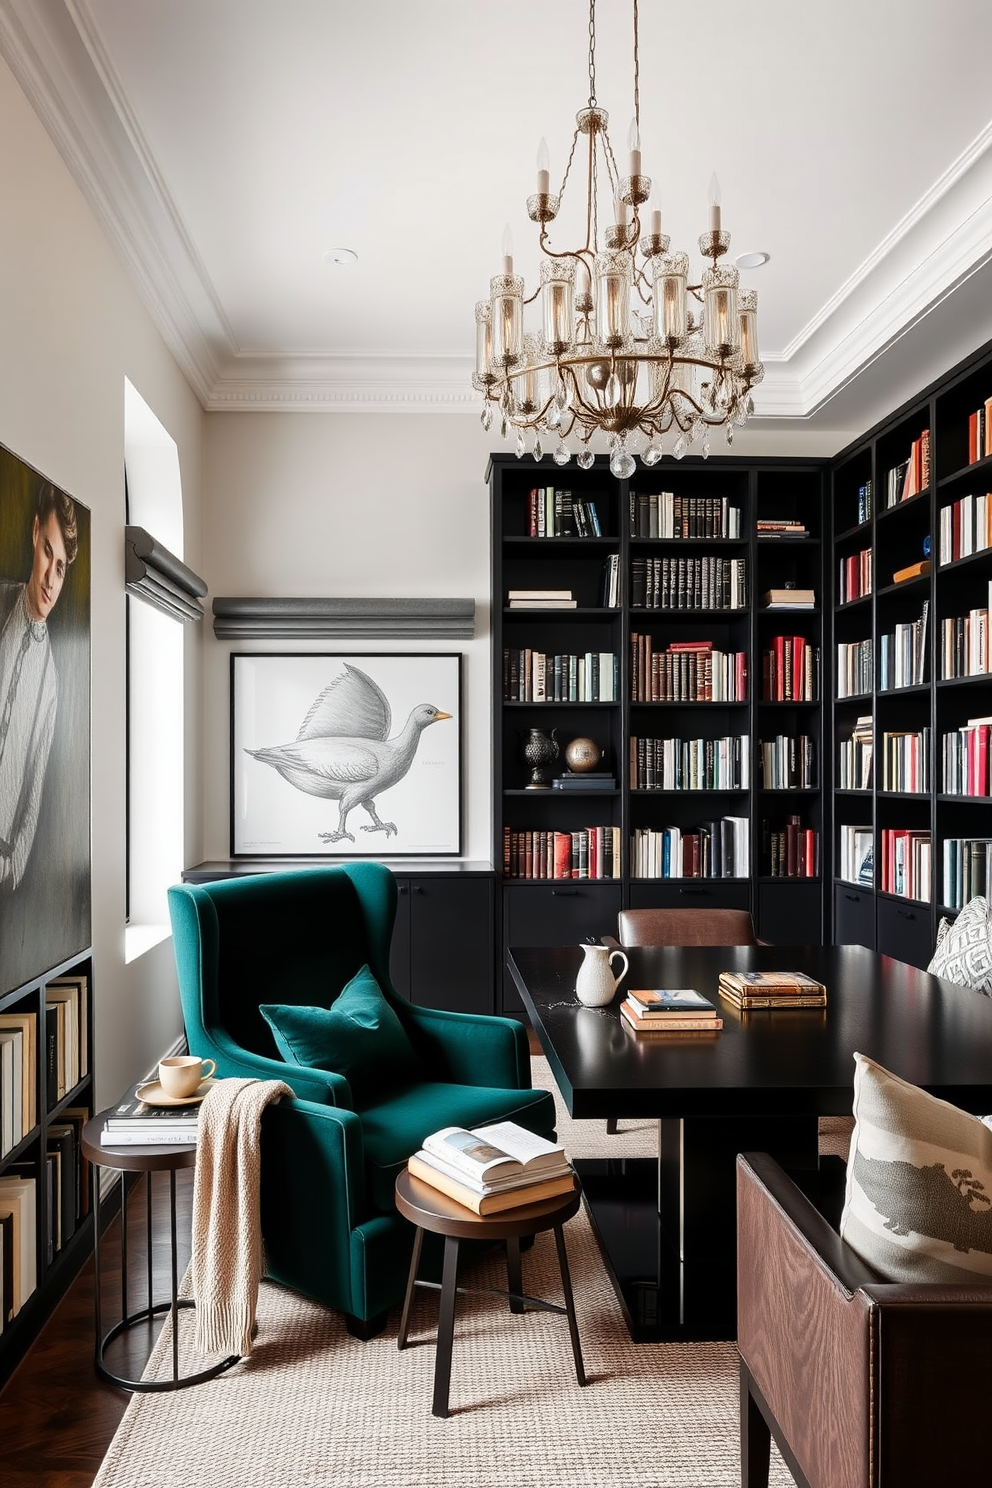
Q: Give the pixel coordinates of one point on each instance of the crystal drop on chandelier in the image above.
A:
(611, 392)
(562, 454)
(652, 454)
(584, 459)
(487, 417)
(622, 464)
(730, 434)
(520, 447)
(538, 450)
(680, 447)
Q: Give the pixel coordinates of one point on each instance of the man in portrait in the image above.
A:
(29, 680)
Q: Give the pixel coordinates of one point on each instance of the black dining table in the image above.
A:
(667, 1225)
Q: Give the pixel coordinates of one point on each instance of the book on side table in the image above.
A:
(493, 1167)
(137, 1122)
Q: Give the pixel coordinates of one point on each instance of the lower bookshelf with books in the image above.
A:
(45, 1101)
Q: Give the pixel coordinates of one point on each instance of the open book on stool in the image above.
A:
(493, 1167)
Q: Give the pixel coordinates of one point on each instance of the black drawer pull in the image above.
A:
(854, 898)
(906, 914)
(694, 891)
(564, 893)
(402, 889)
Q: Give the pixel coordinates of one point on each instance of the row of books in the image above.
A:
(855, 675)
(771, 989)
(555, 513)
(67, 1017)
(864, 503)
(708, 583)
(66, 1056)
(790, 670)
(854, 765)
(905, 862)
(590, 852)
(967, 760)
(911, 476)
(686, 672)
(856, 863)
(531, 676)
(665, 515)
(980, 432)
(781, 527)
(715, 849)
(609, 596)
(669, 1013)
(965, 649)
(906, 760)
(902, 653)
(493, 1168)
(790, 851)
(18, 1242)
(854, 577)
(691, 764)
(965, 527)
(787, 762)
(967, 865)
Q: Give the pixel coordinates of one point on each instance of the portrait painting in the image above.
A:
(345, 755)
(44, 724)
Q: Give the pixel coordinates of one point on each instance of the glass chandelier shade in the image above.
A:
(625, 344)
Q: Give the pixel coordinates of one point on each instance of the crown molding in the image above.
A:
(55, 53)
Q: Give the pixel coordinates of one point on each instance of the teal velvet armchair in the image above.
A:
(329, 1156)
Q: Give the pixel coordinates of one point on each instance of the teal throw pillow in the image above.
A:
(359, 1037)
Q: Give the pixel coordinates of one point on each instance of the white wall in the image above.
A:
(370, 505)
(72, 330)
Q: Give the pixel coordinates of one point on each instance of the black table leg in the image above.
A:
(566, 1286)
(445, 1326)
(514, 1276)
(411, 1286)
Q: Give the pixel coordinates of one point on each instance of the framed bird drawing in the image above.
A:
(345, 755)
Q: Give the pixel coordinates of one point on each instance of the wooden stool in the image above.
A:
(429, 1209)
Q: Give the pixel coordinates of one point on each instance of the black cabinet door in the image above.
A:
(451, 950)
(854, 916)
(789, 912)
(399, 951)
(564, 913)
(905, 931)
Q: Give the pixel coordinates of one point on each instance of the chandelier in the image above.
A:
(627, 346)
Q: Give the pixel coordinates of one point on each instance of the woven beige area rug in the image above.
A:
(313, 1406)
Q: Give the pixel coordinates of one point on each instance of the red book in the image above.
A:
(740, 676)
(982, 761)
(532, 514)
(810, 853)
(973, 438)
(779, 644)
(563, 855)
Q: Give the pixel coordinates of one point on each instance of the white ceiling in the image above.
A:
(225, 145)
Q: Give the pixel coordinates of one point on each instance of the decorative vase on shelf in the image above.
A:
(539, 751)
(582, 755)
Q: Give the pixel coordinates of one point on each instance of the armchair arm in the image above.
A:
(322, 1087)
(471, 1048)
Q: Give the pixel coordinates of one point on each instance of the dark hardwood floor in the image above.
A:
(57, 1418)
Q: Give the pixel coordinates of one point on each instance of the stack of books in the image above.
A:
(493, 1168)
(540, 599)
(587, 780)
(133, 1122)
(675, 1013)
(772, 989)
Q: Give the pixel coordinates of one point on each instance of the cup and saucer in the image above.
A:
(183, 1080)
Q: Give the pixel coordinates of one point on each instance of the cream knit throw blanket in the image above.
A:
(227, 1230)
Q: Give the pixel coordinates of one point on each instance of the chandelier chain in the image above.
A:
(637, 75)
(592, 53)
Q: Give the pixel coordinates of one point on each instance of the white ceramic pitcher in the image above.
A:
(595, 984)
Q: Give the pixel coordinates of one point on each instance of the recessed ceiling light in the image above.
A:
(340, 256)
(751, 260)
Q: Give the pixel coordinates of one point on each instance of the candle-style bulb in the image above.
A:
(634, 146)
(714, 203)
(543, 168)
(507, 250)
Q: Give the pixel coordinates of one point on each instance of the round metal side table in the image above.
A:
(147, 1160)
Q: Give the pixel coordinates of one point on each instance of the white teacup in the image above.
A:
(182, 1074)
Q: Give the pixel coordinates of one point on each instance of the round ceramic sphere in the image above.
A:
(582, 754)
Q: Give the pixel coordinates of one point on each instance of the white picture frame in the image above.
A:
(345, 754)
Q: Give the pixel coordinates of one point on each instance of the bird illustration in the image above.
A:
(343, 751)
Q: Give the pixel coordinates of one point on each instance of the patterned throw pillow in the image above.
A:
(964, 948)
(918, 1205)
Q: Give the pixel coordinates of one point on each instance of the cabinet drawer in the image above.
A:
(565, 913)
(904, 930)
(854, 916)
(701, 893)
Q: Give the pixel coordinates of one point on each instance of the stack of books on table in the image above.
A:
(772, 989)
(676, 1013)
(493, 1167)
(135, 1123)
